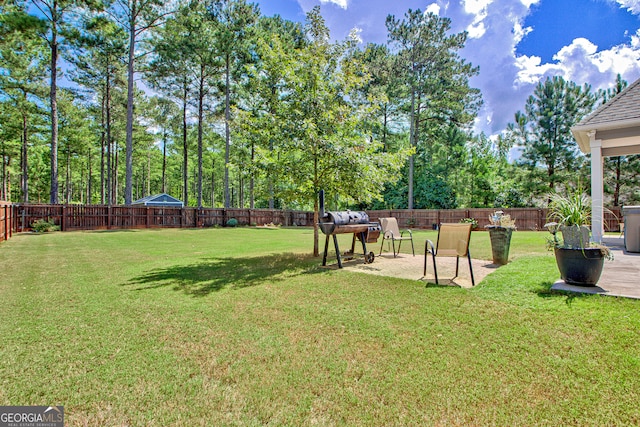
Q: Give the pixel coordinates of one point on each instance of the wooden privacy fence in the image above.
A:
(96, 217)
(526, 218)
(7, 218)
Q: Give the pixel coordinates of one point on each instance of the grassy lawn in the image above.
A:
(243, 327)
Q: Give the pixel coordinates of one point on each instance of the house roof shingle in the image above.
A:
(622, 107)
(162, 199)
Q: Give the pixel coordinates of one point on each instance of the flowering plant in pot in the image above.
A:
(580, 262)
(500, 228)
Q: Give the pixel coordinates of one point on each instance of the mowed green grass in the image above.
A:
(244, 327)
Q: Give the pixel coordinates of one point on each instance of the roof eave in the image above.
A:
(581, 131)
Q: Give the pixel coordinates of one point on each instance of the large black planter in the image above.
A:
(581, 267)
(500, 242)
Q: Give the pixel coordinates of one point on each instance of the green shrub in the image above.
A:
(472, 221)
(44, 226)
(232, 222)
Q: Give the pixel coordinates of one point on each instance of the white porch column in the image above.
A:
(597, 188)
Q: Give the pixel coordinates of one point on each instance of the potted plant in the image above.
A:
(500, 229)
(580, 262)
(472, 221)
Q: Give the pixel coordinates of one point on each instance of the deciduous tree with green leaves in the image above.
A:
(261, 117)
(326, 150)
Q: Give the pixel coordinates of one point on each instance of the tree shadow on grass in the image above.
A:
(214, 274)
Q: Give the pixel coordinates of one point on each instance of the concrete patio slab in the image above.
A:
(620, 278)
(406, 266)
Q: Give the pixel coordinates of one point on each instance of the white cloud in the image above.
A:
(479, 10)
(582, 62)
(632, 6)
(531, 70)
(528, 3)
(476, 7)
(476, 30)
(635, 40)
(342, 3)
(520, 32)
(433, 8)
(507, 78)
(495, 27)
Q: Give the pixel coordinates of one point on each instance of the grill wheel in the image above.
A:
(370, 257)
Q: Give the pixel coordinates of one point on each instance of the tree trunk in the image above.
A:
(7, 190)
(385, 113)
(185, 161)
(227, 118)
(110, 199)
(53, 195)
(67, 177)
(616, 191)
(3, 190)
(240, 191)
(102, 149)
(89, 181)
(213, 184)
(128, 189)
(270, 178)
(200, 119)
(164, 160)
(251, 180)
(148, 189)
(115, 173)
(316, 219)
(24, 160)
(412, 143)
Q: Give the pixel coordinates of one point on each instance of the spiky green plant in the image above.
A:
(572, 209)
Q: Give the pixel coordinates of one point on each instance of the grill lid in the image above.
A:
(346, 217)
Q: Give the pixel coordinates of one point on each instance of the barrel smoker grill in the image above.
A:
(348, 222)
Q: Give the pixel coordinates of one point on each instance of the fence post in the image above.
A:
(540, 219)
(147, 219)
(63, 222)
(109, 217)
(5, 235)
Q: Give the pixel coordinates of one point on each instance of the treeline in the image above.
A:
(220, 106)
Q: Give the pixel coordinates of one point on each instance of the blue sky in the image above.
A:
(516, 43)
(555, 24)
